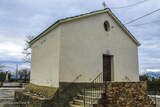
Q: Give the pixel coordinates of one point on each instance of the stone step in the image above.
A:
(80, 102)
(75, 105)
(90, 95)
(71, 104)
(88, 98)
(93, 92)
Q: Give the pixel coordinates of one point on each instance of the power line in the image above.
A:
(129, 5)
(144, 23)
(142, 16)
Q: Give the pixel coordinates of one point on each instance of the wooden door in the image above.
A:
(106, 68)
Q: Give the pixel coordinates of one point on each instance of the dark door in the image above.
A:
(106, 68)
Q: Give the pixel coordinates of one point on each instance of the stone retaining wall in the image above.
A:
(36, 96)
(125, 94)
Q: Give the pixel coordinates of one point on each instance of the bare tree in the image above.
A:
(27, 49)
(24, 74)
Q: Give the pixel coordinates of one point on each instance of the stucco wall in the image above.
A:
(45, 60)
(83, 43)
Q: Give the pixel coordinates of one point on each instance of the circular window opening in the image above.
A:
(106, 26)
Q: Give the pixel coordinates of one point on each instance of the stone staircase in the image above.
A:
(116, 94)
(90, 96)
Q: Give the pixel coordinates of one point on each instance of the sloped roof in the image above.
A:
(61, 21)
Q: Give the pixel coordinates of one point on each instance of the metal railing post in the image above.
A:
(105, 86)
(84, 97)
(155, 97)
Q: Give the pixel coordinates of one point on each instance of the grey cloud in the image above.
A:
(20, 18)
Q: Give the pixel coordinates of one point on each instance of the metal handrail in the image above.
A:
(96, 77)
(95, 87)
(71, 83)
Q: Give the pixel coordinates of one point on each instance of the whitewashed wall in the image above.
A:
(45, 60)
(77, 47)
(84, 41)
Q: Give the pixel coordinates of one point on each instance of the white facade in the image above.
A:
(45, 60)
(76, 47)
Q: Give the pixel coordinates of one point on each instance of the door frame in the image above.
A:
(112, 66)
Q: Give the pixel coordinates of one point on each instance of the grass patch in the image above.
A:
(45, 91)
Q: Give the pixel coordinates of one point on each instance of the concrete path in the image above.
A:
(158, 102)
(7, 97)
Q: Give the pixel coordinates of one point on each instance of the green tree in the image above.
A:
(3, 76)
(153, 84)
(144, 77)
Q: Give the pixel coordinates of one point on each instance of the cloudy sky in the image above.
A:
(20, 18)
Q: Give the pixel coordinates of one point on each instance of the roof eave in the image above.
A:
(123, 27)
(56, 24)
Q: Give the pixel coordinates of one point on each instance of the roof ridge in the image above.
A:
(63, 20)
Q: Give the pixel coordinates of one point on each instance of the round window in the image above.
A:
(106, 26)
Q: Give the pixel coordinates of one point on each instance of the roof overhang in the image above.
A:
(123, 27)
(59, 22)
